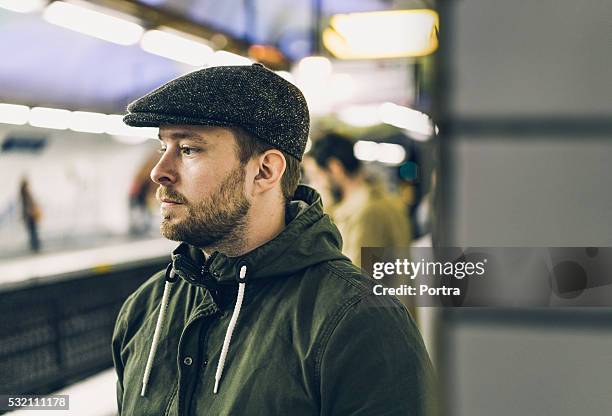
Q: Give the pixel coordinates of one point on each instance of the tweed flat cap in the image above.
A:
(248, 96)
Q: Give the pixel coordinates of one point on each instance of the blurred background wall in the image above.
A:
(525, 101)
(524, 110)
(81, 183)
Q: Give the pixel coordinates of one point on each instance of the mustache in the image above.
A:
(167, 193)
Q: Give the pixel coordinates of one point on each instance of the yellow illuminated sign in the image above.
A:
(387, 34)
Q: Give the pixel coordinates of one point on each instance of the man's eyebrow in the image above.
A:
(179, 135)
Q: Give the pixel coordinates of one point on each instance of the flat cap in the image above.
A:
(248, 96)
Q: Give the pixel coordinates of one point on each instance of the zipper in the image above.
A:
(208, 279)
(211, 312)
(205, 271)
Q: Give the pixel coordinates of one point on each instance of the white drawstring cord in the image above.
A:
(156, 334)
(230, 328)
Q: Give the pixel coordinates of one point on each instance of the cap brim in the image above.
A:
(156, 120)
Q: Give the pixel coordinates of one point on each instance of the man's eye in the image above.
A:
(186, 150)
(161, 150)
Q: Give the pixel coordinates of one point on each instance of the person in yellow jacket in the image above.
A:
(366, 214)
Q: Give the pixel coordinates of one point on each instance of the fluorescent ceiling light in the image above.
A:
(23, 6)
(312, 76)
(177, 46)
(313, 69)
(387, 153)
(390, 153)
(406, 118)
(82, 121)
(360, 115)
(116, 127)
(417, 123)
(366, 150)
(105, 25)
(342, 86)
(87, 122)
(14, 114)
(221, 58)
(49, 118)
(388, 34)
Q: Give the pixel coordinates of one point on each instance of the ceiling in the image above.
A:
(44, 64)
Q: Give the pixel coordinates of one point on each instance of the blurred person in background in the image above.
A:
(142, 191)
(30, 213)
(366, 214)
(258, 313)
(316, 178)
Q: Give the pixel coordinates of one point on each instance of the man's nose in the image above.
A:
(164, 172)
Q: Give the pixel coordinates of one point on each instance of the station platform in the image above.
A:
(62, 307)
(28, 269)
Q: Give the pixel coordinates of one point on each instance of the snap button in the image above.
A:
(205, 362)
(188, 361)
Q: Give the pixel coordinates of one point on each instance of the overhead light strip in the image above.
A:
(23, 6)
(387, 153)
(177, 46)
(411, 120)
(80, 121)
(14, 114)
(123, 29)
(100, 23)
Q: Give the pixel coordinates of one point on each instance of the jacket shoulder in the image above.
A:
(351, 282)
(367, 340)
(339, 289)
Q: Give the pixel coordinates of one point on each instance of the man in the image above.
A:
(258, 313)
(366, 215)
(30, 212)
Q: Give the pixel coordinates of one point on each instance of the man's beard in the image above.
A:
(218, 221)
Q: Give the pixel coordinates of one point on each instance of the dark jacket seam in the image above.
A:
(342, 276)
(355, 284)
(171, 398)
(338, 316)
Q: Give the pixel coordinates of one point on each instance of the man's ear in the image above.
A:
(271, 165)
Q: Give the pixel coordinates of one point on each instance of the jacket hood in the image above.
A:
(309, 238)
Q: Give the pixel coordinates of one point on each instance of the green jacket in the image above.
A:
(310, 337)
